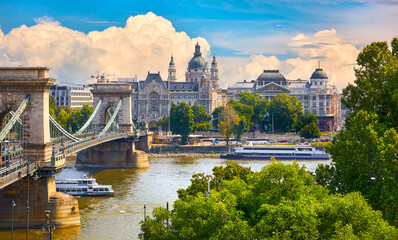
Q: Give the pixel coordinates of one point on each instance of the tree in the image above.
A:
(279, 202)
(310, 131)
(200, 114)
(164, 123)
(181, 121)
(259, 107)
(203, 126)
(286, 110)
(52, 102)
(365, 159)
(228, 119)
(305, 120)
(62, 118)
(243, 110)
(216, 114)
(376, 84)
(240, 128)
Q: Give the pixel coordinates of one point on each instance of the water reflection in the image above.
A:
(118, 217)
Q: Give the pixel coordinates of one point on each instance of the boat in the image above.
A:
(279, 152)
(83, 187)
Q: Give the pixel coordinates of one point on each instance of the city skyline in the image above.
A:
(127, 38)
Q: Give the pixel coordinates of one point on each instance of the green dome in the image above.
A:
(319, 74)
(197, 62)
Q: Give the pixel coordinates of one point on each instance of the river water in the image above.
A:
(118, 217)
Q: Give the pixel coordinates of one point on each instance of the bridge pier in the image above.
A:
(42, 196)
(114, 154)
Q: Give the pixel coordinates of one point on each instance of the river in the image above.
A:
(118, 217)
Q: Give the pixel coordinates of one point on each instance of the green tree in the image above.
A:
(286, 110)
(228, 120)
(240, 128)
(365, 159)
(243, 110)
(259, 107)
(305, 120)
(279, 202)
(216, 113)
(164, 123)
(74, 121)
(52, 102)
(181, 121)
(62, 118)
(310, 131)
(200, 114)
(376, 84)
(203, 126)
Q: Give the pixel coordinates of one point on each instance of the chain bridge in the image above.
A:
(34, 146)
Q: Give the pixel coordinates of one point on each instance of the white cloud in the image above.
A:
(144, 44)
(336, 56)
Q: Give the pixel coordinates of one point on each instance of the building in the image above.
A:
(153, 97)
(71, 95)
(317, 95)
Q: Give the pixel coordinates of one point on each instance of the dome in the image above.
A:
(319, 74)
(197, 62)
(271, 75)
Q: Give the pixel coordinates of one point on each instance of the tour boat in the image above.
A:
(83, 187)
(279, 152)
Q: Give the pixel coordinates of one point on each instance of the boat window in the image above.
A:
(84, 182)
(95, 189)
(303, 154)
(106, 189)
(84, 189)
(101, 189)
(79, 182)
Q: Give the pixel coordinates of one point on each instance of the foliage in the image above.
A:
(216, 113)
(310, 131)
(279, 202)
(376, 84)
(71, 119)
(228, 120)
(286, 110)
(203, 126)
(242, 110)
(365, 159)
(153, 126)
(200, 114)
(240, 128)
(52, 102)
(259, 105)
(181, 121)
(305, 120)
(164, 123)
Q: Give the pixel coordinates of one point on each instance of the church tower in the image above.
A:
(214, 73)
(172, 70)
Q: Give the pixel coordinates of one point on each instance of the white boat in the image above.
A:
(279, 152)
(83, 187)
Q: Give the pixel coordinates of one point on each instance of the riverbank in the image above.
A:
(191, 155)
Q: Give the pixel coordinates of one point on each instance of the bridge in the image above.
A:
(34, 146)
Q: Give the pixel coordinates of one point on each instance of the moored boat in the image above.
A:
(279, 152)
(83, 187)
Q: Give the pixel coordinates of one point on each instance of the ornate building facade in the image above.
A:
(317, 95)
(153, 97)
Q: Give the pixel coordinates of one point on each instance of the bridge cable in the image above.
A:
(66, 133)
(14, 118)
(90, 119)
(108, 125)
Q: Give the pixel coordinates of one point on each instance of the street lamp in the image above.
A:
(12, 219)
(47, 228)
(27, 201)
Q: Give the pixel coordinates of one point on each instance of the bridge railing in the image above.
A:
(15, 171)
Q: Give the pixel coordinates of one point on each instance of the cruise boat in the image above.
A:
(83, 187)
(279, 152)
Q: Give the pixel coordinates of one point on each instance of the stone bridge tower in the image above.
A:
(15, 84)
(111, 93)
(40, 191)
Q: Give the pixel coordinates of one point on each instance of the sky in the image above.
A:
(126, 38)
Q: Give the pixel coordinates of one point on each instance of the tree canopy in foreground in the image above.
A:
(279, 202)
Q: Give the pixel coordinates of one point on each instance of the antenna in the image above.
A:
(319, 64)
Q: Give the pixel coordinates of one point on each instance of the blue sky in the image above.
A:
(233, 29)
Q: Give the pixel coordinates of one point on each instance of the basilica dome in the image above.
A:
(319, 74)
(197, 61)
